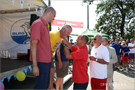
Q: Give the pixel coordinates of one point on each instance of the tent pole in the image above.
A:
(87, 14)
(49, 4)
(44, 3)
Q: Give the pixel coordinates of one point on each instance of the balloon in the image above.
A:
(20, 76)
(1, 86)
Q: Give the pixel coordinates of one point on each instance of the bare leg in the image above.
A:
(130, 61)
(123, 64)
(59, 83)
(134, 61)
(52, 71)
(127, 64)
(117, 64)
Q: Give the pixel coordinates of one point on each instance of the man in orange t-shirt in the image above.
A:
(80, 58)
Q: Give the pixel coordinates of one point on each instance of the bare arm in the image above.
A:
(120, 50)
(33, 48)
(102, 61)
(59, 59)
(67, 53)
(68, 44)
(131, 47)
(124, 53)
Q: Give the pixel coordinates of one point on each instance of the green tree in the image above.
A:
(130, 28)
(115, 16)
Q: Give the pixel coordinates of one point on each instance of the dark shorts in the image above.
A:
(131, 55)
(124, 58)
(82, 86)
(42, 81)
(118, 56)
(53, 63)
(63, 71)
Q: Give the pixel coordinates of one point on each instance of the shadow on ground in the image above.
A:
(130, 73)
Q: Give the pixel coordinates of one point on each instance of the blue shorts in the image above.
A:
(42, 81)
(131, 55)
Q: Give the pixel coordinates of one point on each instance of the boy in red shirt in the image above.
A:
(80, 58)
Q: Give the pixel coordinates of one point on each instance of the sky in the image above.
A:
(75, 10)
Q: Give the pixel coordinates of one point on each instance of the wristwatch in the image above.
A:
(64, 45)
(96, 59)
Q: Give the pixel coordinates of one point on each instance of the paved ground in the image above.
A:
(122, 81)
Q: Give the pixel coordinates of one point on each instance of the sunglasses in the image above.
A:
(94, 39)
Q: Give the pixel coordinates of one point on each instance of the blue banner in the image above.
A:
(8, 78)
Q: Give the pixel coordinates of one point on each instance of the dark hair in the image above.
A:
(85, 38)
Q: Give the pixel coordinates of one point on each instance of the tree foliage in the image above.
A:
(115, 18)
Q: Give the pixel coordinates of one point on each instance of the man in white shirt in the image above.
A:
(99, 60)
(131, 53)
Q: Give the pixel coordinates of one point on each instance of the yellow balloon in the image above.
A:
(20, 76)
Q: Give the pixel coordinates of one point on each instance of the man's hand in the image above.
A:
(35, 70)
(63, 41)
(101, 61)
(60, 65)
(92, 58)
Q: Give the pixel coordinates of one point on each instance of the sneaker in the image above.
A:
(130, 65)
(122, 69)
(126, 69)
(117, 69)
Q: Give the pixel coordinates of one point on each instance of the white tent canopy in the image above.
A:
(7, 6)
(14, 24)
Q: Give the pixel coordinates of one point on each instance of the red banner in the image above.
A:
(62, 22)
